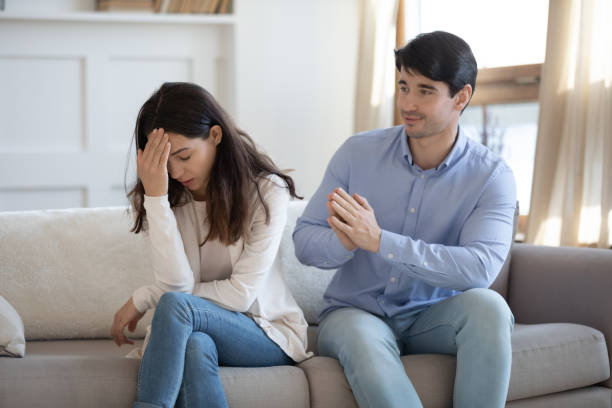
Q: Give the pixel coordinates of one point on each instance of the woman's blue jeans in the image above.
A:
(475, 326)
(190, 338)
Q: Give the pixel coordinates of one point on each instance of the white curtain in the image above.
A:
(571, 200)
(375, 103)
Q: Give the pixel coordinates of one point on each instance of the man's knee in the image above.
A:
(487, 309)
(354, 333)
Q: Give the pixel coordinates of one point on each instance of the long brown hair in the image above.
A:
(189, 110)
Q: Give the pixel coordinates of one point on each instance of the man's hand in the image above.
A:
(355, 219)
(344, 239)
(128, 316)
(153, 164)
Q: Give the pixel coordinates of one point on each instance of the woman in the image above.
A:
(214, 209)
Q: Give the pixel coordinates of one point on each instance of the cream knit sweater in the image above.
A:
(243, 277)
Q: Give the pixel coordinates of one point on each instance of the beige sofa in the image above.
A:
(67, 271)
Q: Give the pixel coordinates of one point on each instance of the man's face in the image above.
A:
(426, 107)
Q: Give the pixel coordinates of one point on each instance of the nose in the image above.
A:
(407, 103)
(174, 170)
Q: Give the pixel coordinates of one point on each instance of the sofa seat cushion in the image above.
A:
(432, 375)
(555, 357)
(589, 397)
(96, 373)
(546, 358)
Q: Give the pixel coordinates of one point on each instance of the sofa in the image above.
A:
(66, 272)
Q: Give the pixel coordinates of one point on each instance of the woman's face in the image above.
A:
(191, 160)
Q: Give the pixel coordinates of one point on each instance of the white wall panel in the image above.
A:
(41, 198)
(41, 104)
(70, 91)
(142, 76)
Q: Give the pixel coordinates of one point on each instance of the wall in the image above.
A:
(295, 77)
(71, 88)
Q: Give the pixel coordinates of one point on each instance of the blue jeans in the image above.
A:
(190, 338)
(475, 326)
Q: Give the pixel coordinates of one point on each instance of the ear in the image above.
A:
(462, 98)
(217, 134)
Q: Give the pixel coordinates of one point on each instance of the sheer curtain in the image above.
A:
(571, 200)
(375, 103)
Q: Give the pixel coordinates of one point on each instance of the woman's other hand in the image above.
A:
(153, 164)
(129, 316)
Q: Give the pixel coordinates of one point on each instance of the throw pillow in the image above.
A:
(12, 339)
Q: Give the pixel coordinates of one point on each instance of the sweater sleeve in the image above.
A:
(239, 291)
(170, 263)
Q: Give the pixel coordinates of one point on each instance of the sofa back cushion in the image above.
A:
(307, 283)
(66, 272)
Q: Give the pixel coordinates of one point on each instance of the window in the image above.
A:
(508, 40)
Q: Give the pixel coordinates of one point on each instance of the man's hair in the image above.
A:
(440, 56)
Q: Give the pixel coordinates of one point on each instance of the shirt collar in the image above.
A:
(450, 158)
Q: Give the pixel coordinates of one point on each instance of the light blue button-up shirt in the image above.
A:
(444, 230)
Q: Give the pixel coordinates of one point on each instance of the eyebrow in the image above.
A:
(178, 151)
(430, 87)
(425, 86)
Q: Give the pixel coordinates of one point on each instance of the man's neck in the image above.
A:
(429, 152)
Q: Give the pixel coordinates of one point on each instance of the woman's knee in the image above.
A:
(170, 303)
(201, 356)
(200, 343)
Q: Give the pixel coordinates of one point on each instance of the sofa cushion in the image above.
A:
(68, 271)
(307, 283)
(96, 373)
(589, 397)
(431, 374)
(12, 340)
(546, 358)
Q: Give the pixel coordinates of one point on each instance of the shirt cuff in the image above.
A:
(392, 247)
(156, 203)
(141, 297)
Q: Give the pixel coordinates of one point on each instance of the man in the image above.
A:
(418, 220)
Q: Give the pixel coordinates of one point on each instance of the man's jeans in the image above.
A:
(190, 338)
(475, 326)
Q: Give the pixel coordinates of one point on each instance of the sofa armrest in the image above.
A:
(561, 284)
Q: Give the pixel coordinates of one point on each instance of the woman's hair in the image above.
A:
(189, 110)
(440, 56)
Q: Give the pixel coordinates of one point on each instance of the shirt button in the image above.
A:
(412, 210)
(390, 255)
(422, 175)
(425, 263)
(393, 279)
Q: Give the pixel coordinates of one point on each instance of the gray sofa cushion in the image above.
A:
(546, 358)
(432, 375)
(95, 373)
(591, 397)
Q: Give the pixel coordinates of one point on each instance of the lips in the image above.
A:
(186, 182)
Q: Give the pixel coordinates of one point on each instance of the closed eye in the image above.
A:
(185, 158)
